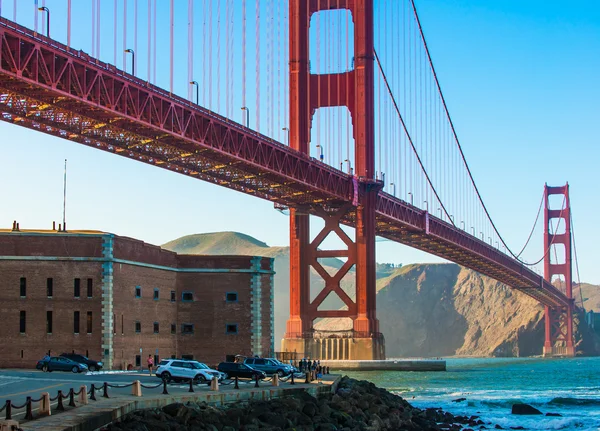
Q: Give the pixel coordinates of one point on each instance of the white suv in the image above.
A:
(183, 370)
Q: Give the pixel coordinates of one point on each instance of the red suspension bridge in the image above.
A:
(394, 134)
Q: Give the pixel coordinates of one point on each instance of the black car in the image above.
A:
(91, 364)
(236, 369)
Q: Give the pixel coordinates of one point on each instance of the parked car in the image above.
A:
(237, 369)
(58, 363)
(182, 369)
(269, 366)
(92, 365)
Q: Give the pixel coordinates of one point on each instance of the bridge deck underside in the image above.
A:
(46, 87)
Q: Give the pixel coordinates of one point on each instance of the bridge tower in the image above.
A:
(558, 321)
(364, 341)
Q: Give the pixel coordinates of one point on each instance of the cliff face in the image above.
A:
(424, 310)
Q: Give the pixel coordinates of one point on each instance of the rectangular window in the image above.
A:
(76, 322)
(187, 297)
(187, 357)
(77, 288)
(23, 287)
(49, 322)
(90, 287)
(122, 327)
(156, 294)
(231, 328)
(156, 327)
(138, 361)
(173, 297)
(187, 328)
(49, 287)
(89, 322)
(138, 291)
(22, 321)
(231, 297)
(173, 328)
(138, 327)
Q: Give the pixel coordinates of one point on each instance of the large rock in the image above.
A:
(524, 409)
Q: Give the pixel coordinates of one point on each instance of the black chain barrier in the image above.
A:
(72, 398)
(151, 387)
(124, 386)
(237, 383)
(105, 390)
(165, 392)
(191, 389)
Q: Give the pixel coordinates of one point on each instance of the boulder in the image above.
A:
(524, 409)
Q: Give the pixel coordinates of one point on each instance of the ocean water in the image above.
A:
(570, 387)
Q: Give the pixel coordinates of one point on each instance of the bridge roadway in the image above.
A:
(49, 87)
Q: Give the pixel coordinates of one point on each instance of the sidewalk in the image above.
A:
(106, 410)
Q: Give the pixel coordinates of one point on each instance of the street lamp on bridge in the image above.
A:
(482, 236)
(393, 185)
(288, 134)
(45, 9)
(245, 108)
(349, 166)
(320, 147)
(411, 197)
(426, 206)
(473, 230)
(462, 224)
(132, 52)
(440, 210)
(195, 83)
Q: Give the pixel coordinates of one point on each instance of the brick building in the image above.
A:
(120, 300)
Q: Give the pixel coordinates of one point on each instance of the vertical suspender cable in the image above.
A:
(348, 118)
(15, 10)
(135, 31)
(231, 59)
(318, 42)
(228, 78)
(94, 28)
(171, 31)
(204, 57)
(273, 69)
(268, 69)
(278, 71)
(69, 24)
(125, 35)
(190, 48)
(115, 34)
(43, 21)
(149, 48)
(35, 15)
(244, 53)
(97, 28)
(257, 60)
(210, 62)
(379, 112)
(218, 57)
(154, 31)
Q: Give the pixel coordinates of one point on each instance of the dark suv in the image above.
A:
(236, 369)
(91, 364)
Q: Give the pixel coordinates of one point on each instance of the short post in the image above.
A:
(9, 425)
(292, 379)
(214, 384)
(191, 389)
(28, 413)
(105, 392)
(93, 393)
(165, 392)
(136, 389)
(327, 367)
(307, 378)
(71, 398)
(236, 385)
(83, 396)
(8, 410)
(275, 379)
(60, 407)
(45, 404)
(256, 381)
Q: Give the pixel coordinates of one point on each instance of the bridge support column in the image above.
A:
(558, 321)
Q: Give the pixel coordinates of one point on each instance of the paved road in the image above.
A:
(17, 385)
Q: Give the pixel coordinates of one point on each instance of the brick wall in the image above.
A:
(208, 279)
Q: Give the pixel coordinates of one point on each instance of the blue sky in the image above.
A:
(519, 77)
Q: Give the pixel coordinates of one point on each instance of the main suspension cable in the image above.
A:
(409, 137)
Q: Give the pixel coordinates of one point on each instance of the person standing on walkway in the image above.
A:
(150, 363)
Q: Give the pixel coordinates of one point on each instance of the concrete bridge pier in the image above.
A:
(349, 346)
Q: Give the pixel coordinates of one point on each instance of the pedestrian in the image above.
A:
(309, 365)
(150, 363)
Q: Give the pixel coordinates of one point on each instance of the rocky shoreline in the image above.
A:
(356, 405)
